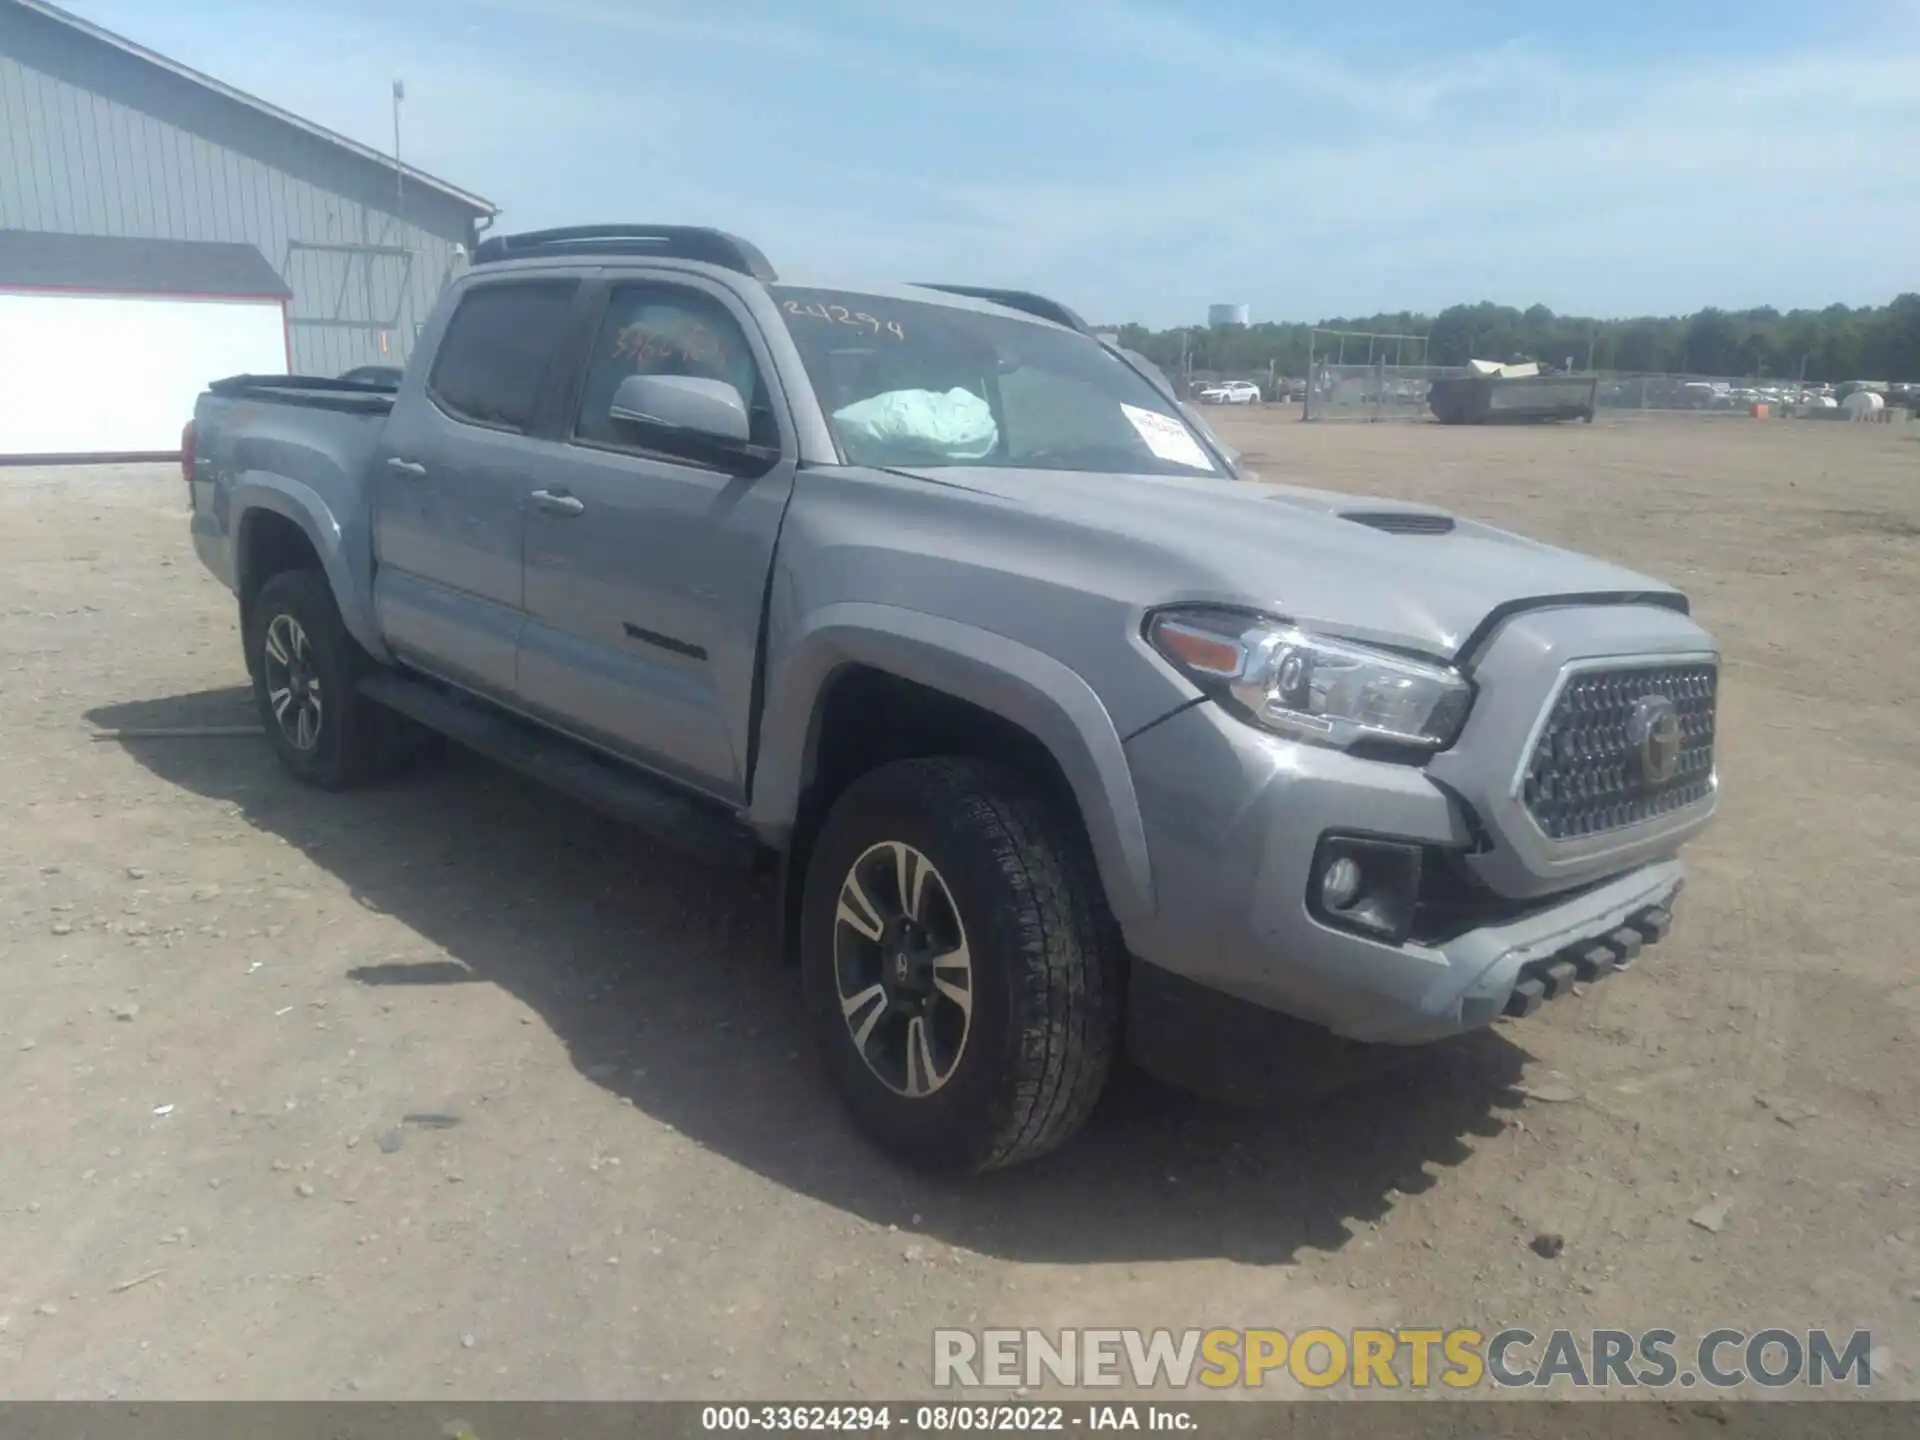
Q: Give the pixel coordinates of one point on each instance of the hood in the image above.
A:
(1370, 569)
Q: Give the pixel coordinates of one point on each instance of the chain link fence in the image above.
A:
(1378, 391)
(1381, 390)
(1726, 394)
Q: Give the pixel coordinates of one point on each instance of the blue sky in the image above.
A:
(1141, 158)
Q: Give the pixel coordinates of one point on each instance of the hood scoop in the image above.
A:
(1402, 522)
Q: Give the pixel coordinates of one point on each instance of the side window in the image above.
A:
(496, 349)
(664, 330)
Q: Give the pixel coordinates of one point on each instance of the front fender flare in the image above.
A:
(1014, 681)
(348, 568)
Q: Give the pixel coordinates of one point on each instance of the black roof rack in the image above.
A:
(1018, 300)
(678, 242)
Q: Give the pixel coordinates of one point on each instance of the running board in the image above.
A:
(699, 827)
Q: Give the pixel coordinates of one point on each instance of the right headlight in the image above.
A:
(1313, 687)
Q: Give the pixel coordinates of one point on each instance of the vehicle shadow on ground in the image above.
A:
(661, 977)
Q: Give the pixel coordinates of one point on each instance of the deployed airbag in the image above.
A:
(957, 424)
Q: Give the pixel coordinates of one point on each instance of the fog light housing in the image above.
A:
(1366, 885)
(1340, 883)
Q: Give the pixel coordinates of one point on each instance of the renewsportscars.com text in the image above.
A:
(1406, 1358)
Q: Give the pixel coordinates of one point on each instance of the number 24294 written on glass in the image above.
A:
(840, 315)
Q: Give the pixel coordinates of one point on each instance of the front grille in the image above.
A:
(1586, 775)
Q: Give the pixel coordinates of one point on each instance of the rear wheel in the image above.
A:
(305, 670)
(961, 970)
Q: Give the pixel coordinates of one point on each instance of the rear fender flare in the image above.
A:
(1014, 681)
(348, 568)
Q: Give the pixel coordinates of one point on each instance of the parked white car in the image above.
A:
(1233, 392)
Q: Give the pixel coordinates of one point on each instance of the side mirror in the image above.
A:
(711, 409)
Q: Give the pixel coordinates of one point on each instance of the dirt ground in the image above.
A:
(451, 1088)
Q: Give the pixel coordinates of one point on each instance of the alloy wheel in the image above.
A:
(902, 969)
(292, 682)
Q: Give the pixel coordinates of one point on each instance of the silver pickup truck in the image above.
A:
(1070, 741)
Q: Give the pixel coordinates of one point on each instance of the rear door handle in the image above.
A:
(558, 502)
(412, 469)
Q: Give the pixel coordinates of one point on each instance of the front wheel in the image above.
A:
(961, 970)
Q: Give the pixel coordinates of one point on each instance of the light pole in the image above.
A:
(399, 174)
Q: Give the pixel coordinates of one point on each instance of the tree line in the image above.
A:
(1869, 342)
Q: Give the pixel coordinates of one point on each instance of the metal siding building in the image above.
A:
(101, 137)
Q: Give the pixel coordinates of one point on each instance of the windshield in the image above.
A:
(918, 384)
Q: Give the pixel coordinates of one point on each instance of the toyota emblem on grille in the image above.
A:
(1654, 731)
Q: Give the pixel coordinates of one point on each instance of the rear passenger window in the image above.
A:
(495, 352)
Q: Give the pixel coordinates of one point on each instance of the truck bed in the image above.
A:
(311, 444)
(315, 392)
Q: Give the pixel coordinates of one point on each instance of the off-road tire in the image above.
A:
(1046, 958)
(358, 741)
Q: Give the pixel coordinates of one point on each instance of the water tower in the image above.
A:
(1220, 317)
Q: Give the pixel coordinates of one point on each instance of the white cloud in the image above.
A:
(811, 49)
(1142, 47)
(1057, 146)
(1731, 183)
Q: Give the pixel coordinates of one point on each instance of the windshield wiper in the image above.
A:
(923, 478)
(1099, 453)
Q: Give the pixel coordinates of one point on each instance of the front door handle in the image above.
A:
(412, 469)
(558, 502)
